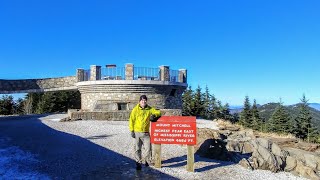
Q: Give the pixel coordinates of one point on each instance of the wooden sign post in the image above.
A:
(174, 130)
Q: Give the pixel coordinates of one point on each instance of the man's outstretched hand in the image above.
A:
(154, 118)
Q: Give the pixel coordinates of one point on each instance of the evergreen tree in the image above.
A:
(256, 119)
(219, 110)
(303, 127)
(6, 105)
(28, 104)
(50, 102)
(213, 107)
(46, 103)
(226, 112)
(187, 102)
(206, 104)
(245, 115)
(280, 121)
(19, 106)
(73, 100)
(197, 105)
(32, 101)
(235, 117)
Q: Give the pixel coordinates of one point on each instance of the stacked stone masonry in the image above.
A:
(37, 85)
(74, 114)
(159, 96)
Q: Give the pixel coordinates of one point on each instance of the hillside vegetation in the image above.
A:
(266, 111)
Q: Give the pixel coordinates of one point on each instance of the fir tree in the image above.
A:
(213, 107)
(34, 99)
(280, 121)
(46, 103)
(197, 105)
(52, 101)
(7, 105)
(235, 117)
(19, 106)
(219, 110)
(245, 115)
(303, 127)
(206, 104)
(256, 119)
(187, 102)
(226, 112)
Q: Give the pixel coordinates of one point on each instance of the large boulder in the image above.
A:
(291, 164)
(240, 142)
(213, 149)
(305, 171)
(211, 144)
(304, 163)
(241, 147)
(263, 157)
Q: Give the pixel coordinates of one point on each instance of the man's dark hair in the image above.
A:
(143, 97)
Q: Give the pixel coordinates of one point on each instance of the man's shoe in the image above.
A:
(138, 166)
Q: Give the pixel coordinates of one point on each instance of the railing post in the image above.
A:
(164, 73)
(80, 75)
(95, 72)
(183, 75)
(129, 71)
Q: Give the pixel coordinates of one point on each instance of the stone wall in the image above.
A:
(91, 101)
(37, 85)
(95, 96)
(74, 114)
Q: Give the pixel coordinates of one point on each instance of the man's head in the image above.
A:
(143, 101)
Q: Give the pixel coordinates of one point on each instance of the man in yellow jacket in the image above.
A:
(139, 124)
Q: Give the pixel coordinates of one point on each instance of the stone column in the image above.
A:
(183, 75)
(80, 75)
(95, 72)
(164, 73)
(129, 71)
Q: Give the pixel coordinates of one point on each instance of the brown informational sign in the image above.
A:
(174, 130)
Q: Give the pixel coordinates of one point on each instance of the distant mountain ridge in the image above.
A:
(315, 106)
(239, 108)
(266, 111)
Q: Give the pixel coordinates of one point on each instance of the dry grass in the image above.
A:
(274, 135)
(225, 123)
(222, 122)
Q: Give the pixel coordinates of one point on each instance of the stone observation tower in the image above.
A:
(111, 92)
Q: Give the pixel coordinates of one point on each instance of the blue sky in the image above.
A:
(265, 49)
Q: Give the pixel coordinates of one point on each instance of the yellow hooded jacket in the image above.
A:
(140, 118)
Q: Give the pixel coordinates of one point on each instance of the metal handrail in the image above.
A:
(113, 73)
(87, 75)
(144, 73)
(174, 75)
(139, 73)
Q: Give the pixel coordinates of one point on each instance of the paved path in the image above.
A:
(99, 150)
(62, 155)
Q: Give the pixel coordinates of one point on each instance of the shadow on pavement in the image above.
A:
(182, 161)
(66, 156)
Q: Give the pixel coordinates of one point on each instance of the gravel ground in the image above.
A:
(100, 150)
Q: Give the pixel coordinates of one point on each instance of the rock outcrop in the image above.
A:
(252, 152)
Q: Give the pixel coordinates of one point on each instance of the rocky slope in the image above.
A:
(254, 151)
